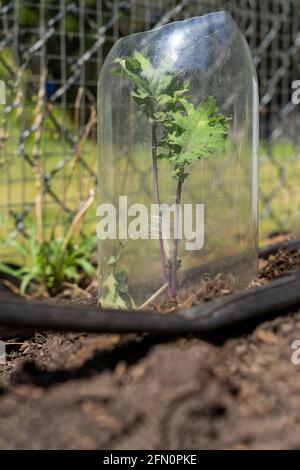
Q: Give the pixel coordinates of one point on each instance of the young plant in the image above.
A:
(48, 264)
(189, 133)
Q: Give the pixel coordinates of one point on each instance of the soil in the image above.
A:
(83, 391)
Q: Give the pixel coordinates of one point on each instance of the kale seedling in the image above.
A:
(189, 133)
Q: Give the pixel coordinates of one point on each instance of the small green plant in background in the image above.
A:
(49, 264)
(181, 133)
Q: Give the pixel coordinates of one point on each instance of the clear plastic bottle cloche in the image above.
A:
(178, 135)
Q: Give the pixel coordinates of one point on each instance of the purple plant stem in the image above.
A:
(157, 202)
(173, 287)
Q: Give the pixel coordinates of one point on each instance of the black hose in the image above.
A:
(274, 297)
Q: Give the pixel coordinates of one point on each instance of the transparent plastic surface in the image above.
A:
(178, 131)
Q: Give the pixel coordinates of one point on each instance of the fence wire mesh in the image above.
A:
(51, 52)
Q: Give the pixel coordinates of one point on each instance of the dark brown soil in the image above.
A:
(78, 391)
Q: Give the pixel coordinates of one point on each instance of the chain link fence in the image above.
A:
(51, 52)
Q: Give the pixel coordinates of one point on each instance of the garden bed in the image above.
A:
(235, 389)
